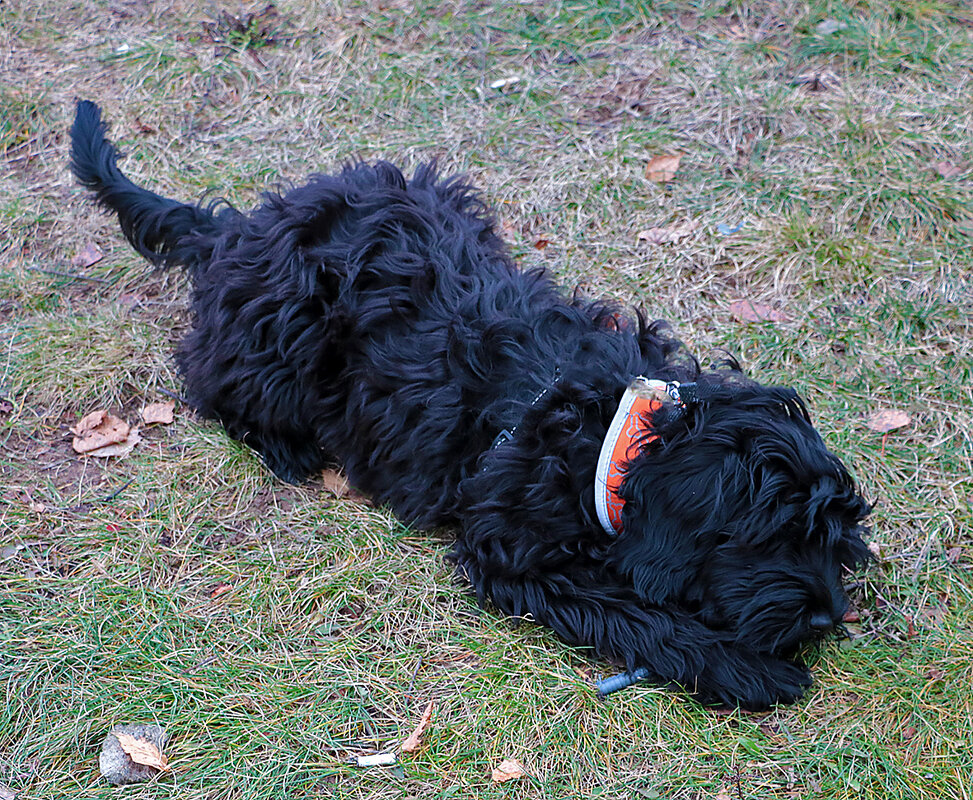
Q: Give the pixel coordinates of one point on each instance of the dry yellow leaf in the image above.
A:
(88, 255)
(507, 770)
(948, 169)
(119, 448)
(888, 420)
(142, 752)
(662, 169)
(668, 233)
(98, 429)
(411, 744)
(748, 311)
(334, 482)
(158, 412)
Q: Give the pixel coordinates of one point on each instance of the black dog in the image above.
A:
(379, 322)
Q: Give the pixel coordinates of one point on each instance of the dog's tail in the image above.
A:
(156, 227)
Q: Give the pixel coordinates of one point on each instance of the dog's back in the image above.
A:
(363, 317)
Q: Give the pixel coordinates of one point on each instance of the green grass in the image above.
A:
(275, 631)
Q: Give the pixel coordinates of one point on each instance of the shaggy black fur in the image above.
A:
(379, 322)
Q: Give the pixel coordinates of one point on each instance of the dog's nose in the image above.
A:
(820, 621)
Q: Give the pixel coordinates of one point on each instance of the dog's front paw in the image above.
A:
(752, 681)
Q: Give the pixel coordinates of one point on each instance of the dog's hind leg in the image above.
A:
(673, 648)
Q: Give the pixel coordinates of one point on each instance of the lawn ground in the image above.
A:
(278, 631)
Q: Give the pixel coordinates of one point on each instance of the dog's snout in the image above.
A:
(820, 621)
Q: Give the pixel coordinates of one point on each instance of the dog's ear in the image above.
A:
(669, 519)
(655, 554)
(833, 509)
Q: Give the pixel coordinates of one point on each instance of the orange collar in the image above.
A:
(641, 398)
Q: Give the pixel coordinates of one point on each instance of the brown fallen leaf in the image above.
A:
(662, 169)
(909, 733)
(411, 744)
(540, 244)
(87, 255)
(98, 429)
(334, 482)
(158, 413)
(119, 449)
(141, 127)
(142, 752)
(948, 169)
(668, 233)
(507, 770)
(220, 588)
(851, 615)
(748, 311)
(887, 420)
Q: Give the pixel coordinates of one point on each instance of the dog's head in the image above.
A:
(736, 512)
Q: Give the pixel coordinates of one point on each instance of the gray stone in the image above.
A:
(115, 763)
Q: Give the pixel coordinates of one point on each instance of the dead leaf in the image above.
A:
(98, 429)
(119, 449)
(851, 615)
(334, 482)
(6, 793)
(662, 169)
(875, 549)
(37, 508)
(141, 127)
(220, 588)
(887, 420)
(948, 169)
(88, 255)
(908, 733)
(508, 770)
(748, 311)
(142, 752)
(668, 233)
(158, 413)
(411, 744)
(934, 674)
(540, 244)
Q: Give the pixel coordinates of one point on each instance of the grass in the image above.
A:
(276, 631)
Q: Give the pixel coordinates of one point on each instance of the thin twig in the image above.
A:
(72, 275)
(117, 492)
(172, 395)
